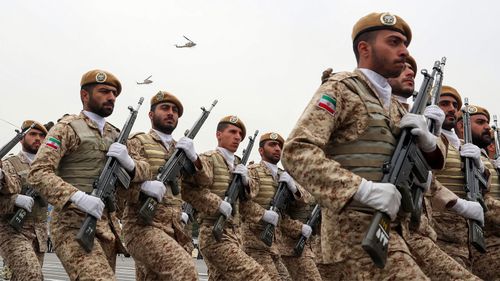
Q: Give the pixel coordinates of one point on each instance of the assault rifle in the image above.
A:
(475, 183)
(279, 203)
(234, 190)
(497, 135)
(417, 195)
(406, 165)
(104, 186)
(312, 222)
(17, 220)
(15, 140)
(189, 210)
(170, 172)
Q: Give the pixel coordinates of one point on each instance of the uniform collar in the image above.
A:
(26, 157)
(273, 168)
(452, 138)
(380, 85)
(166, 139)
(228, 156)
(97, 119)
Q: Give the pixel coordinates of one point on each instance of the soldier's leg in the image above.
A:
(330, 272)
(233, 263)
(302, 268)
(79, 264)
(487, 265)
(267, 261)
(110, 250)
(283, 272)
(435, 263)
(161, 254)
(18, 253)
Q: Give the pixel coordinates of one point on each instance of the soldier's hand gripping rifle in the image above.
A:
(417, 191)
(104, 186)
(19, 217)
(406, 165)
(475, 183)
(234, 190)
(312, 222)
(15, 140)
(170, 172)
(280, 201)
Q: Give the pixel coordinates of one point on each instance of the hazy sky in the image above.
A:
(261, 59)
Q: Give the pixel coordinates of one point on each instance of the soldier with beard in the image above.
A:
(435, 263)
(486, 265)
(23, 250)
(65, 168)
(158, 246)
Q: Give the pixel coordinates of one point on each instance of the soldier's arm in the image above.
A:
(61, 140)
(7, 203)
(304, 151)
(441, 197)
(12, 182)
(437, 158)
(492, 217)
(290, 227)
(196, 189)
(135, 150)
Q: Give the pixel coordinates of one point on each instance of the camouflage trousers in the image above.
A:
(99, 264)
(301, 268)
(267, 260)
(226, 259)
(487, 265)
(435, 263)
(21, 253)
(158, 255)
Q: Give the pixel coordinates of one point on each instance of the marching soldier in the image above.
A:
(435, 263)
(67, 164)
(158, 245)
(23, 250)
(338, 146)
(225, 259)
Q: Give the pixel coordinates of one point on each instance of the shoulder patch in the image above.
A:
(327, 103)
(53, 142)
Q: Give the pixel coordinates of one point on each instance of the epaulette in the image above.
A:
(66, 119)
(10, 155)
(113, 126)
(340, 76)
(209, 153)
(253, 165)
(136, 134)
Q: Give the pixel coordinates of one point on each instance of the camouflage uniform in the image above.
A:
(301, 267)
(226, 259)
(486, 265)
(158, 246)
(329, 152)
(70, 159)
(23, 251)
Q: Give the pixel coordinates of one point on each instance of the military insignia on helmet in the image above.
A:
(233, 119)
(100, 77)
(159, 96)
(472, 109)
(387, 19)
(273, 136)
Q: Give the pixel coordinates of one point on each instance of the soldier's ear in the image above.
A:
(84, 96)
(364, 49)
(150, 114)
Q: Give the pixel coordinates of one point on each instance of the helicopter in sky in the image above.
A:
(189, 44)
(146, 81)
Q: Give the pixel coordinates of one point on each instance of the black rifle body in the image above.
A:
(104, 186)
(312, 222)
(17, 221)
(14, 141)
(279, 203)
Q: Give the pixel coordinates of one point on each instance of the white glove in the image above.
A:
(435, 113)
(225, 209)
(469, 210)
(290, 183)
(120, 152)
(306, 231)
(380, 196)
(187, 145)
(470, 150)
(425, 140)
(271, 217)
(25, 202)
(154, 189)
(496, 162)
(184, 218)
(89, 204)
(242, 170)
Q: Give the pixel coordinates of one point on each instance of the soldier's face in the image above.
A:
(388, 53)
(480, 128)
(32, 141)
(101, 101)
(165, 117)
(229, 138)
(450, 107)
(271, 152)
(404, 84)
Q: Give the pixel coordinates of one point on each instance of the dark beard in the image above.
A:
(167, 129)
(30, 149)
(100, 109)
(482, 141)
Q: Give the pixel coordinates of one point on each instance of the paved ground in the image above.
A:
(53, 270)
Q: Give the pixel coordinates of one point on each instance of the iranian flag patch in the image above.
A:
(328, 103)
(53, 142)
